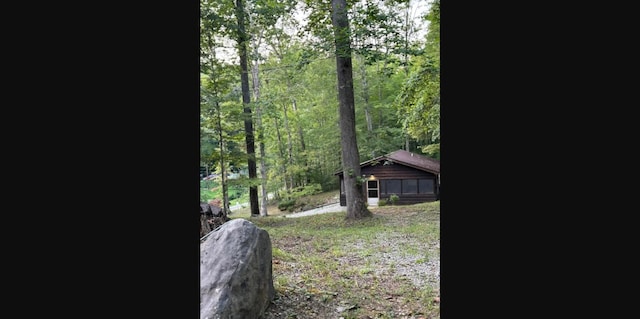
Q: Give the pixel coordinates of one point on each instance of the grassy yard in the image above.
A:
(387, 266)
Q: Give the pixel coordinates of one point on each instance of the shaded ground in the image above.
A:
(387, 266)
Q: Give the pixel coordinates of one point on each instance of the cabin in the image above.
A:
(414, 178)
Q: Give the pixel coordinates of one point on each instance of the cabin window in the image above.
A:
(342, 186)
(409, 186)
(391, 186)
(425, 186)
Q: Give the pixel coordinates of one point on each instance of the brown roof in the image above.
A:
(415, 160)
(406, 158)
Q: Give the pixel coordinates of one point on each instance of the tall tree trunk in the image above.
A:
(256, 97)
(263, 174)
(286, 124)
(406, 61)
(223, 171)
(282, 156)
(365, 96)
(295, 111)
(356, 201)
(289, 142)
(303, 147)
(246, 99)
(406, 40)
(381, 76)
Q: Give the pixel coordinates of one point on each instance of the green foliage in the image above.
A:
(433, 36)
(418, 104)
(265, 13)
(433, 150)
(393, 199)
(319, 24)
(290, 198)
(286, 204)
(211, 190)
(378, 31)
(327, 182)
(360, 180)
(307, 190)
(302, 140)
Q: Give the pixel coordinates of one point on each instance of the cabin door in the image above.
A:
(372, 192)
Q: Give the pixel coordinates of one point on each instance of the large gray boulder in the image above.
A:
(235, 272)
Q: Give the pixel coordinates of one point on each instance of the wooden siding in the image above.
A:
(401, 165)
(395, 171)
(403, 199)
(398, 171)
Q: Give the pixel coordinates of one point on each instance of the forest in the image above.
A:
(274, 110)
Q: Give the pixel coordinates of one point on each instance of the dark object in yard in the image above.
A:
(211, 217)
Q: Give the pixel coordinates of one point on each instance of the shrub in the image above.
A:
(286, 204)
(393, 198)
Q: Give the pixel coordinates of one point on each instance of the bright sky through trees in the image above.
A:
(417, 9)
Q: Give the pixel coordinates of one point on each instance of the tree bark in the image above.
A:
(246, 99)
(289, 141)
(223, 170)
(365, 97)
(303, 147)
(282, 156)
(356, 201)
(256, 95)
(218, 110)
(305, 179)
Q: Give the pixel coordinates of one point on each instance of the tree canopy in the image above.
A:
(282, 53)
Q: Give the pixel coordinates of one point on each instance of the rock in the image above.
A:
(235, 272)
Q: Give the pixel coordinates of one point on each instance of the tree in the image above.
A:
(290, 106)
(263, 15)
(418, 103)
(212, 85)
(356, 201)
(379, 40)
(242, 39)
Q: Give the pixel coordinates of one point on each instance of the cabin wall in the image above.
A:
(394, 171)
(382, 173)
